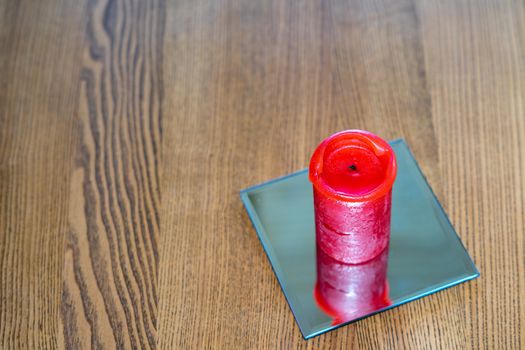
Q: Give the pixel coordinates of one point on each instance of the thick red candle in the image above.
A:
(352, 173)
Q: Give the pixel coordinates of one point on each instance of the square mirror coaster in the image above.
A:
(424, 257)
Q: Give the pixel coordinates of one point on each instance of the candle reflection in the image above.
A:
(346, 292)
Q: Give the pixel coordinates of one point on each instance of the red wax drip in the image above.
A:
(352, 174)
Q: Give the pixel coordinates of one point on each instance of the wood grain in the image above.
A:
(109, 296)
(127, 129)
(479, 94)
(39, 49)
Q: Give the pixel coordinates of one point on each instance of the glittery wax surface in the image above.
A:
(352, 232)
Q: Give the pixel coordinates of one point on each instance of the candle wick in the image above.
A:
(352, 167)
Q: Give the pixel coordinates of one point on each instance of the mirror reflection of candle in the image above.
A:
(346, 292)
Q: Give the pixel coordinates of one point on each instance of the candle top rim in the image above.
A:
(380, 147)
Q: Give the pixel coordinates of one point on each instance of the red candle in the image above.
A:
(346, 292)
(352, 173)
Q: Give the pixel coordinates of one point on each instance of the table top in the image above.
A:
(128, 128)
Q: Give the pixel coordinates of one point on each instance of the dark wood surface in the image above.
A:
(127, 129)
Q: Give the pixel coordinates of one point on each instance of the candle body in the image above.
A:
(352, 232)
(346, 291)
(352, 173)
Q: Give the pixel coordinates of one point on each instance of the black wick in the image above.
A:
(352, 167)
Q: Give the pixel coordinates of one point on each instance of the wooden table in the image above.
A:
(127, 129)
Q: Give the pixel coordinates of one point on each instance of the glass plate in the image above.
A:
(424, 257)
